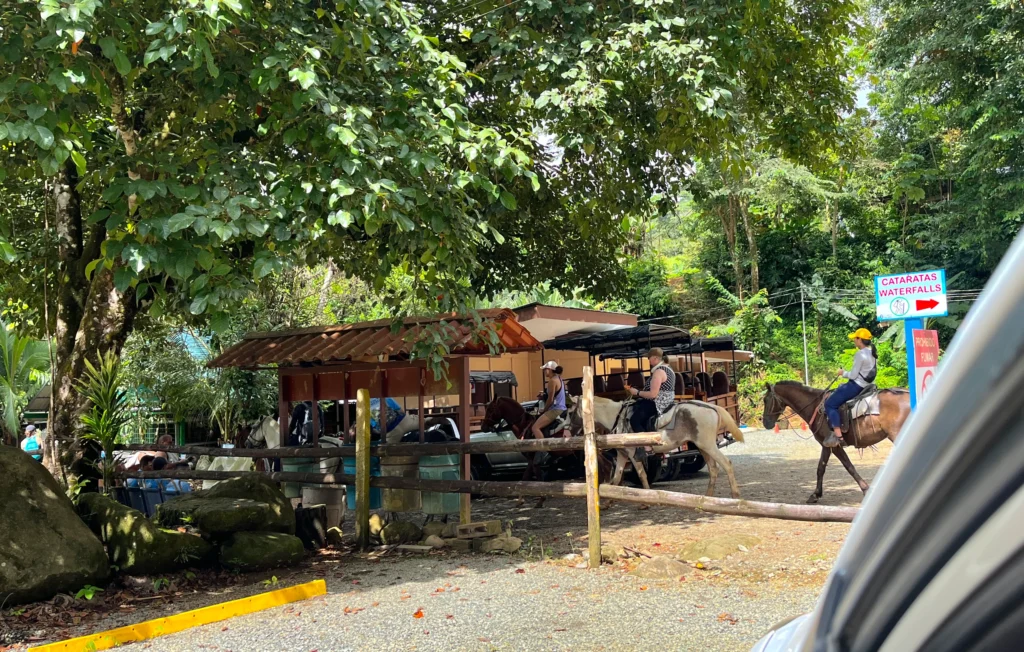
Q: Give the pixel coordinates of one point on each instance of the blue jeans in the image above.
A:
(842, 394)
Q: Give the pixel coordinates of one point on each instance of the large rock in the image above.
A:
(135, 544)
(247, 503)
(661, 568)
(399, 532)
(45, 549)
(717, 547)
(252, 551)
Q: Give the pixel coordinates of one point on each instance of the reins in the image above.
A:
(783, 416)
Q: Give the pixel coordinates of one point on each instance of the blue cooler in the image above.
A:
(440, 467)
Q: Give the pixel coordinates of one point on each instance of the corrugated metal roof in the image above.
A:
(330, 344)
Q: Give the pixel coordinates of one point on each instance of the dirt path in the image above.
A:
(536, 599)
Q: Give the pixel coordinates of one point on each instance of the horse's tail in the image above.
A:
(730, 425)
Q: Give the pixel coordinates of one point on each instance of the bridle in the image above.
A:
(792, 412)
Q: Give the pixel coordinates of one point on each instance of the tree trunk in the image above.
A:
(728, 218)
(92, 315)
(833, 225)
(751, 247)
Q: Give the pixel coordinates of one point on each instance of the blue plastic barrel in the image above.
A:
(376, 499)
(440, 467)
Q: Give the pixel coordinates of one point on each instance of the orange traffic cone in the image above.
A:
(776, 428)
(803, 425)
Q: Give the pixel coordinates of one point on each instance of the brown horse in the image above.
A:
(519, 421)
(868, 430)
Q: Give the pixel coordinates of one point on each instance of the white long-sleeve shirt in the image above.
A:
(863, 363)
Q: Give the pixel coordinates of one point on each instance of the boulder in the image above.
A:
(434, 528)
(253, 551)
(434, 541)
(135, 544)
(661, 568)
(450, 530)
(247, 503)
(609, 553)
(334, 537)
(399, 532)
(45, 549)
(717, 547)
(501, 543)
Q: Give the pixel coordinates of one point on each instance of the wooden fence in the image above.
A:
(590, 443)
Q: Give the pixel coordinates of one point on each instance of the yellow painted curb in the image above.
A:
(189, 619)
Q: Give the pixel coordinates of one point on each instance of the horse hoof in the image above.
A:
(539, 504)
(813, 500)
(736, 495)
(642, 508)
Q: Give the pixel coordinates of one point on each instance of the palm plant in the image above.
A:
(109, 411)
(23, 363)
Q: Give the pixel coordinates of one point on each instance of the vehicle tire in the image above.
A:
(691, 466)
(669, 470)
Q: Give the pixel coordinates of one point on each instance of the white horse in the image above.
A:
(686, 421)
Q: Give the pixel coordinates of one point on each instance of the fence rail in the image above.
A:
(590, 443)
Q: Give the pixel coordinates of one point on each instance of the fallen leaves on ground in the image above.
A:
(418, 613)
(728, 618)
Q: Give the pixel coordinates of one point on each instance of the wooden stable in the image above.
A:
(335, 363)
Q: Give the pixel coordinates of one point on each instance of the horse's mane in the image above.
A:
(798, 385)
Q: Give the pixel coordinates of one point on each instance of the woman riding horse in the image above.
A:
(554, 403)
(861, 375)
(658, 394)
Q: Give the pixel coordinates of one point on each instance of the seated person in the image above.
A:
(32, 443)
(145, 464)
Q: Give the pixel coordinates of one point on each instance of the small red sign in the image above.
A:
(926, 348)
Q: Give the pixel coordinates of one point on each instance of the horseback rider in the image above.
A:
(865, 363)
(658, 394)
(554, 401)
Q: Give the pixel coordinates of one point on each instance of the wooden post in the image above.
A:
(590, 454)
(345, 416)
(420, 402)
(465, 398)
(316, 409)
(283, 410)
(363, 468)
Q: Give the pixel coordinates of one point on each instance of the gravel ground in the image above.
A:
(537, 600)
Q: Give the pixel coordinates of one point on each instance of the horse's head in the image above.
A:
(501, 410)
(773, 407)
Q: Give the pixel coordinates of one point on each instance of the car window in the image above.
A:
(976, 479)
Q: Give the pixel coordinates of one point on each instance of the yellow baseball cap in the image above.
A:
(862, 333)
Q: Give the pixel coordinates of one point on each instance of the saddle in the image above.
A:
(862, 404)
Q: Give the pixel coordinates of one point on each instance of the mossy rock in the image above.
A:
(717, 547)
(376, 525)
(259, 504)
(399, 532)
(433, 528)
(135, 544)
(218, 517)
(661, 568)
(45, 548)
(253, 551)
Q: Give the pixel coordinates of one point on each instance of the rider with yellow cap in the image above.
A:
(861, 375)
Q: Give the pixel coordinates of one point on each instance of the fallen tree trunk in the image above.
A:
(731, 506)
(441, 448)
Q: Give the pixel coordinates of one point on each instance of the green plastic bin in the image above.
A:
(440, 467)
(297, 465)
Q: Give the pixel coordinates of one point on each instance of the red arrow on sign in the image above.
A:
(926, 304)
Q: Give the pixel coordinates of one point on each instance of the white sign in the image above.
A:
(911, 296)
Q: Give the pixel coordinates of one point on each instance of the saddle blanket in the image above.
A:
(865, 406)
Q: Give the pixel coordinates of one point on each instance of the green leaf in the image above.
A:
(35, 111)
(90, 267)
(220, 322)
(121, 63)
(41, 136)
(123, 278)
(508, 200)
(198, 305)
(179, 222)
(79, 160)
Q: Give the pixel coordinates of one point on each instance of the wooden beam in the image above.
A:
(603, 442)
(590, 464)
(363, 468)
(465, 398)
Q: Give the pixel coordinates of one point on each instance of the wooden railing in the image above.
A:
(590, 443)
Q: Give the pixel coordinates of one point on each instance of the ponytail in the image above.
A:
(874, 351)
(558, 370)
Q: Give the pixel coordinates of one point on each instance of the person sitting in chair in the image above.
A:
(554, 403)
(658, 394)
(861, 375)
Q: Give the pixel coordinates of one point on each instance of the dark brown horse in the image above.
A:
(868, 430)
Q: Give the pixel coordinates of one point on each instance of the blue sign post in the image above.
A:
(911, 297)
